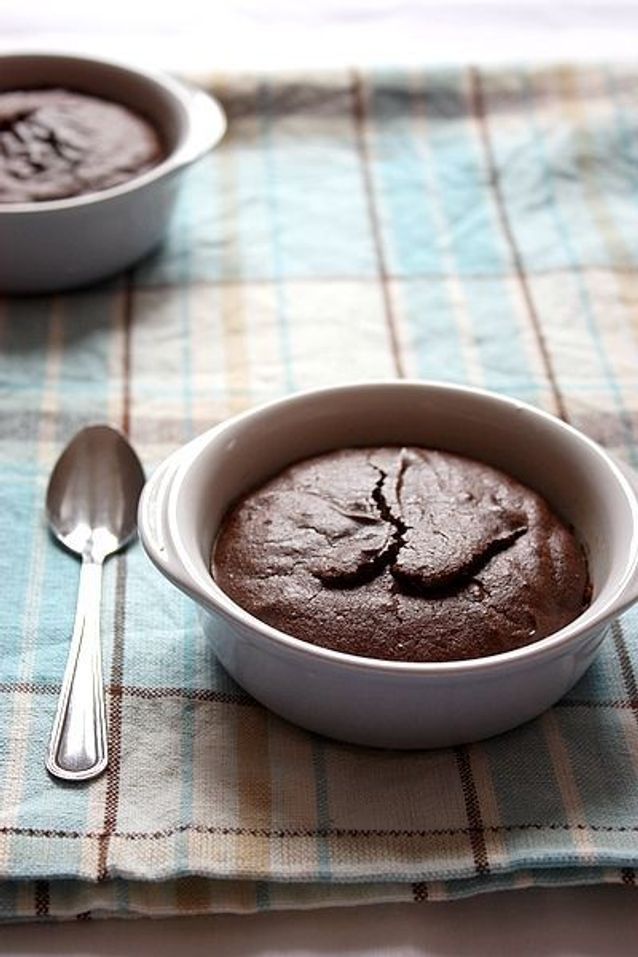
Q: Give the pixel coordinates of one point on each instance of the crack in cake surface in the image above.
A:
(452, 565)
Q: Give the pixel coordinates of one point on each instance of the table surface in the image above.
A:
(322, 33)
(531, 923)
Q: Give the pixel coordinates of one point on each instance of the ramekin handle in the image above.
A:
(208, 125)
(151, 519)
(629, 595)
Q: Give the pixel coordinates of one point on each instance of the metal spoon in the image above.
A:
(92, 506)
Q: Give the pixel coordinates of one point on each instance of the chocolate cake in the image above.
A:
(55, 144)
(405, 554)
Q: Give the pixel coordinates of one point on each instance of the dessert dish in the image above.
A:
(52, 244)
(402, 554)
(372, 701)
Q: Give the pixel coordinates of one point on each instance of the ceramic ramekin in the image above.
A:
(364, 700)
(60, 244)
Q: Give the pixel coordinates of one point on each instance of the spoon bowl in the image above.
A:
(91, 506)
(93, 491)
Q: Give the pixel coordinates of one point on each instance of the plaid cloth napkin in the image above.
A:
(473, 227)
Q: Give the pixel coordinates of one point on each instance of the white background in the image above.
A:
(275, 34)
(245, 34)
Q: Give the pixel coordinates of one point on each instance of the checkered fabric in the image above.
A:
(467, 226)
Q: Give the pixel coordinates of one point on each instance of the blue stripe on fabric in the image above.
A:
(519, 760)
(87, 317)
(187, 742)
(57, 606)
(412, 240)
(26, 336)
(262, 896)
(464, 185)
(51, 804)
(564, 235)
(413, 243)
(433, 335)
(602, 764)
(155, 610)
(602, 682)
(497, 337)
(320, 774)
(25, 339)
(195, 235)
(476, 245)
(122, 896)
(321, 209)
(9, 900)
(20, 503)
(236, 234)
(322, 224)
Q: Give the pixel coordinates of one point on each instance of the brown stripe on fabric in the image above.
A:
(617, 704)
(359, 113)
(222, 282)
(473, 810)
(284, 834)
(477, 99)
(243, 698)
(190, 694)
(145, 694)
(626, 666)
(41, 898)
(419, 892)
(628, 875)
(27, 687)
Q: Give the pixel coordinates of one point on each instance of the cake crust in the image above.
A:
(403, 554)
(55, 144)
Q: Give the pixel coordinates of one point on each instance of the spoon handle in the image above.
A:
(77, 750)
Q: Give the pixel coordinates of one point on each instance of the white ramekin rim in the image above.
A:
(179, 157)
(206, 591)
